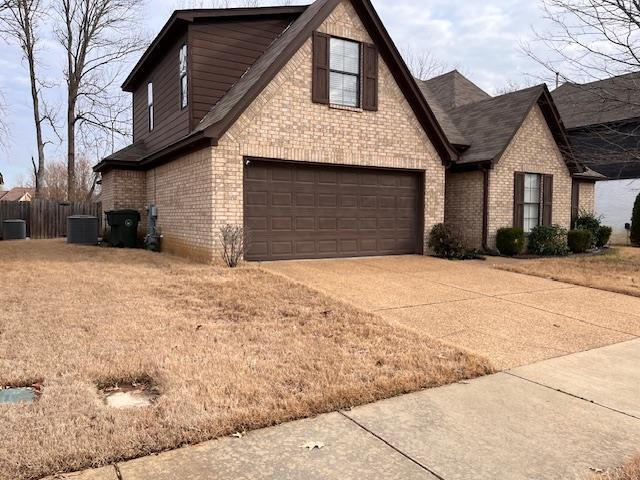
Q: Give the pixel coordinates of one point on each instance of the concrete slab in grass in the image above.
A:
(502, 427)
(104, 473)
(607, 376)
(350, 453)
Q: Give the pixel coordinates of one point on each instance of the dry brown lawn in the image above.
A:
(229, 350)
(618, 270)
(631, 471)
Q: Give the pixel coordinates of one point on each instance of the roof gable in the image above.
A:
(180, 19)
(492, 124)
(453, 90)
(230, 107)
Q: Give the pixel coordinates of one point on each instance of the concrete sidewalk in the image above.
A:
(556, 419)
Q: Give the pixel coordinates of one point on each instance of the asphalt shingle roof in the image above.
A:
(454, 90)
(604, 101)
(491, 124)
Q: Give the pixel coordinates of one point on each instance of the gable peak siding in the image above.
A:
(284, 123)
(222, 51)
(532, 150)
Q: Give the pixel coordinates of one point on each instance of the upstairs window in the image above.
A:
(344, 79)
(184, 97)
(150, 105)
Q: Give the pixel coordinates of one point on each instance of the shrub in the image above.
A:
(510, 241)
(635, 223)
(600, 234)
(579, 240)
(445, 241)
(548, 240)
(604, 235)
(232, 238)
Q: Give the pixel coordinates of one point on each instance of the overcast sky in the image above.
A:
(479, 37)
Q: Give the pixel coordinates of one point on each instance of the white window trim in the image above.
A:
(358, 76)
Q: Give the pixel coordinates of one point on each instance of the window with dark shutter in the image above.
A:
(547, 199)
(533, 200)
(320, 68)
(370, 78)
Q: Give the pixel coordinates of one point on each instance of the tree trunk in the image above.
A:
(39, 171)
(71, 144)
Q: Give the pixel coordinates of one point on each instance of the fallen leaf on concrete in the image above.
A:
(239, 434)
(596, 470)
(313, 445)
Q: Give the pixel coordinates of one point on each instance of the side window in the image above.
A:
(344, 66)
(184, 88)
(150, 105)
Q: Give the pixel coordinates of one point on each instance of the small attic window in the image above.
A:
(184, 88)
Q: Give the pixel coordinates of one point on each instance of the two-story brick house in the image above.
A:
(301, 123)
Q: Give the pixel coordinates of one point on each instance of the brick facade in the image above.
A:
(464, 205)
(587, 198)
(283, 123)
(533, 150)
(199, 193)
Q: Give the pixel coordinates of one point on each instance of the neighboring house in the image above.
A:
(603, 121)
(304, 125)
(515, 166)
(18, 194)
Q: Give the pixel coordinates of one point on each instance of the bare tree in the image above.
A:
(422, 64)
(20, 21)
(97, 36)
(513, 86)
(4, 126)
(589, 40)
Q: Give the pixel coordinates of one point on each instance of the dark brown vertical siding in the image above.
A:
(222, 51)
(171, 121)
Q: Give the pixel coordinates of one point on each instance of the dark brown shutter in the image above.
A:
(547, 199)
(518, 201)
(370, 77)
(320, 68)
(575, 202)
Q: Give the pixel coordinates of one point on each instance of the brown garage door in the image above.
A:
(296, 210)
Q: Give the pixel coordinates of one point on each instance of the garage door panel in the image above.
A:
(320, 211)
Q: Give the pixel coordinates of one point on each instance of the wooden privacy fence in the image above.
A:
(47, 218)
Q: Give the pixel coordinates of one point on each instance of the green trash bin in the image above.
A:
(124, 228)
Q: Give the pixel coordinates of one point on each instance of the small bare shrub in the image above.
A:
(232, 238)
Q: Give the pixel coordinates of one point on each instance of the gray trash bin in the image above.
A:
(14, 230)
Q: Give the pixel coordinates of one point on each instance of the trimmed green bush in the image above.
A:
(600, 234)
(548, 240)
(604, 235)
(635, 223)
(510, 241)
(445, 241)
(579, 240)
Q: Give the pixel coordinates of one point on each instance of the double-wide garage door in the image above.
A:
(297, 210)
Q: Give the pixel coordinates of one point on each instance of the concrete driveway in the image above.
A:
(512, 319)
